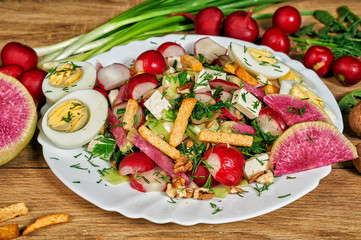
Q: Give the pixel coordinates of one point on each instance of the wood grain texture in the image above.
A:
(331, 211)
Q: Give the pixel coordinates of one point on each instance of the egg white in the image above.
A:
(98, 112)
(87, 81)
(241, 56)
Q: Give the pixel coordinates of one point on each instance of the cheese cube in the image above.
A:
(204, 76)
(246, 103)
(156, 104)
(256, 164)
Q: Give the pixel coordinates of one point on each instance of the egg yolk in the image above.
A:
(68, 116)
(262, 56)
(65, 75)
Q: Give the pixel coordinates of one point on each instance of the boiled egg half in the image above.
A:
(68, 77)
(76, 118)
(257, 61)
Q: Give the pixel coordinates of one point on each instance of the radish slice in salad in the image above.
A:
(113, 76)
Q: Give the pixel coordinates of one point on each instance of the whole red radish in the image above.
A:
(288, 19)
(319, 59)
(208, 21)
(227, 164)
(150, 61)
(276, 39)
(19, 54)
(140, 84)
(136, 162)
(347, 70)
(12, 70)
(241, 25)
(171, 49)
(33, 80)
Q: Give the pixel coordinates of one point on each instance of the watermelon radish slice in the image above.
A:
(294, 110)
(17, 118)
(309, 145)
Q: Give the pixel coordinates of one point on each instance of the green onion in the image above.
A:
(148, 19)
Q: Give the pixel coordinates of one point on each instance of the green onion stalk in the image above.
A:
(144, 20)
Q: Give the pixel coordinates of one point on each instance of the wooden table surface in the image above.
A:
(331, 211)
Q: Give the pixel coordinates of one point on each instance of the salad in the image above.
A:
(198, 126)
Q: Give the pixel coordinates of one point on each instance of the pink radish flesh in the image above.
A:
(118, 132)
(240, 128)
(149, 181)
(154, 153)
(227, 164)
(19, 54)
(141, 83)
(12, 70)
(203, 97)
(113, 76)
(135, 162)
(150, 61)
(119, 110)
(258, 92)
(221, 60)
(209, 48)
(241, 25)
(270, 121)
(122, 95)
(171, 49)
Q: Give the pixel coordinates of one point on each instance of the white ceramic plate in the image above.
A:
(156, 207)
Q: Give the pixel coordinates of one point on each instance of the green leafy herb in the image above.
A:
(68, 118)
(297, 111)
(287, 195)
(77, 166)
(217, 209)
(262, 189)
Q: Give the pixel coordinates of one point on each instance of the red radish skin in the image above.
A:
(19, 54)
(113, 76)
(140, 84)
(118, 132)
(270, 121)
(208, 21)
(319, 59)
(201, 176)
(12, 70)
(33, 80)
(209, 48)
(119, 110)
(136, 162)
(288, 19)
(227, 164)
(347, 70)
(241, 25)
(150, 61)
(102, 91)
(171, 49)
(276, 39)
(240, 128)
(203, 97)
(221, 60)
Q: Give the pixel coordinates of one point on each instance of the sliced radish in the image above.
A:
(119, 110)
(150, 61)
(140, 84)
(139, 118)
(150, 181)
(102, 91)
(117, 131)
(203, 97)
(209, 48)
(201, 175)
(231, 113)
(226, 85)
(270, 121)
(122, 95)
(258, 92)
(136, 162)
(237, 127)
(171, 49)
(154, 153)
(113, 76)
(221, 60)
